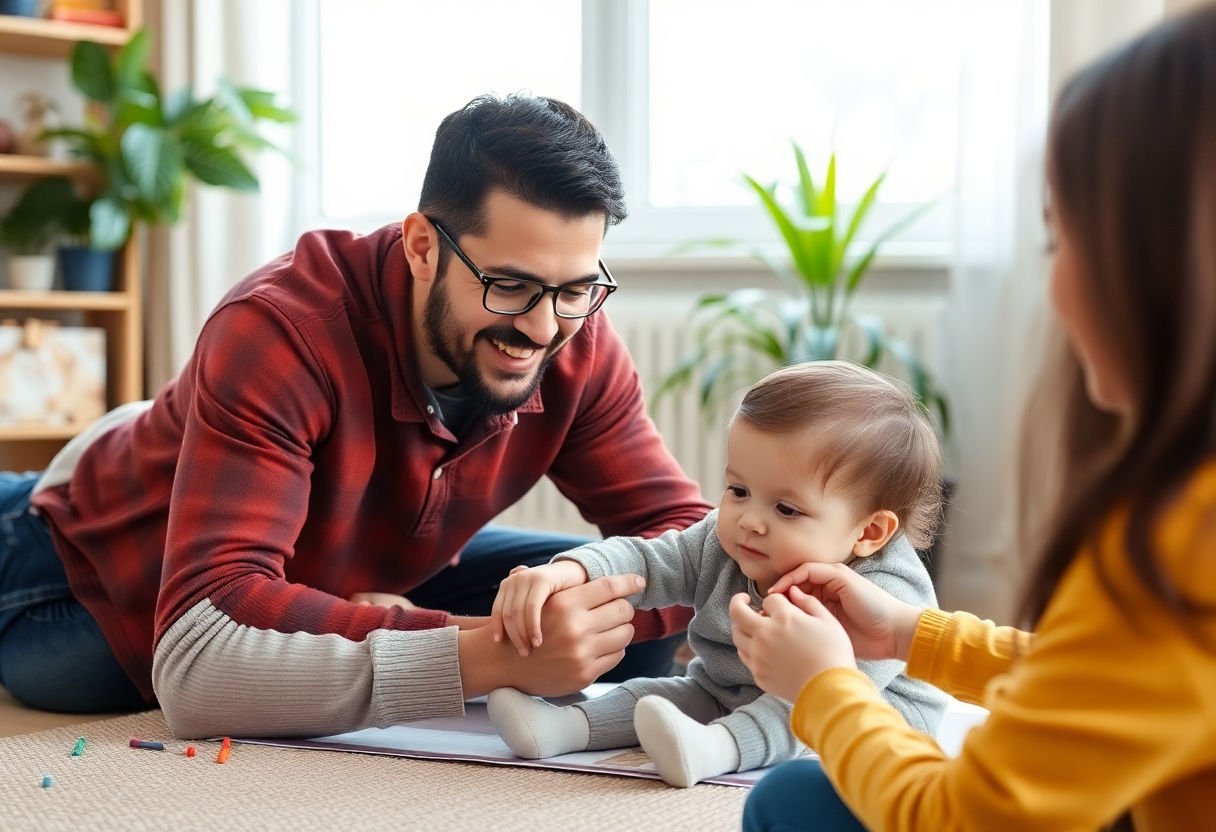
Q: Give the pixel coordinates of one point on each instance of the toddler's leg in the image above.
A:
(683, 750)
(611, 715)
(532, 728)
(761, 729)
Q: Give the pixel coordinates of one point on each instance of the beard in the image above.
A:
(483, 397)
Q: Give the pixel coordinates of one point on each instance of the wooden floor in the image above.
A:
(15, 718)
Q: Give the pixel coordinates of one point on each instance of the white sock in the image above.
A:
(533, 729)
(683, 750)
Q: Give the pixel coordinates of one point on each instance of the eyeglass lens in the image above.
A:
(510, 297)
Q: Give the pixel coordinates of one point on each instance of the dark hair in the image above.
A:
(1132, 176)
(872, 441)
(537, 149)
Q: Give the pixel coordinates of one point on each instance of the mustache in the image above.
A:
(512, 337)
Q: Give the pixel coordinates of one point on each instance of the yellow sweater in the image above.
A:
(1101, 712)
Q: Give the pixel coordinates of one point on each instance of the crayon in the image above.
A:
(79, 749)
(190, 752)
(47, 781)
(136, 742)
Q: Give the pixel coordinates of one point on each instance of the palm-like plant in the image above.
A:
(813, 319)
(146, 147)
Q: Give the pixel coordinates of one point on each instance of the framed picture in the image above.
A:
(51, 374)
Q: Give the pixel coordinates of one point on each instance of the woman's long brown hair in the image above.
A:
(1132, 176)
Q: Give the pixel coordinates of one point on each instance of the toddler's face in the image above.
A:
(774, 514)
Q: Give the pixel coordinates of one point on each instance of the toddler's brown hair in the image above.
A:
(872, 440)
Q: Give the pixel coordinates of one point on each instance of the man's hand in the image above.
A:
(793, 641)
(587, 628)
(879, 624)
(517, 607)
(385, 599)
(381, 599)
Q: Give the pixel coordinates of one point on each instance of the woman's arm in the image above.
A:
(1100, 713)
(960, 654)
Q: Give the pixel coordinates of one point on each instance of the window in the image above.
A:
(689, 93)
(389, 71)
(822, 73)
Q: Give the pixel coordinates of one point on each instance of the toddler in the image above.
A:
(827, 462)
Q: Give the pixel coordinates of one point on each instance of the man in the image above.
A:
(354, 413)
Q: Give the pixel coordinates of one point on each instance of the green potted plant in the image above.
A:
(28, 232)
(747, 331)
(147, 148)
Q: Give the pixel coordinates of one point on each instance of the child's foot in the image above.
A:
(683, 750)
(533, 729)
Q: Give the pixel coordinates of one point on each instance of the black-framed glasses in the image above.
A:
(517, 295)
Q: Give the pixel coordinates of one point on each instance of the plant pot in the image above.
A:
(86, 269)
(31, 272)
(21, 8)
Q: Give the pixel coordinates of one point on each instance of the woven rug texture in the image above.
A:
(112, 786)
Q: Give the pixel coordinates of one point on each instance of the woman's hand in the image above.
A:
(879, 625)
(793, 641)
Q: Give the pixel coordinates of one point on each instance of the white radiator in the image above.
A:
(655, 326)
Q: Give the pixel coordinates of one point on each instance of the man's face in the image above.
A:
(501, 358)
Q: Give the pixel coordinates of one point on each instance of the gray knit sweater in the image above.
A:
(691, 568)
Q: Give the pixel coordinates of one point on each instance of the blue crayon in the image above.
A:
(47, 781)
(150, 745)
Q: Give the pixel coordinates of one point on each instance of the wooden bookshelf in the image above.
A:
(119, 312)
(55, 38)
(20, 168)
(27, 433)
(66, 301)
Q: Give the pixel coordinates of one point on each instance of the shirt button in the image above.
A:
(430, 409)
(437, 473)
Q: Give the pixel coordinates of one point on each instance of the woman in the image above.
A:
(1109, 709)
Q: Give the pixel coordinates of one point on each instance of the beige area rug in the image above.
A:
(113, 786)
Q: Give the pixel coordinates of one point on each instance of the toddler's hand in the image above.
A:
(516, 611)
(794, 642)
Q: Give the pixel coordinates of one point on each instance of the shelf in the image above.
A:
(86, 301)
(34, 433)
(33, 167)
(53, 38)
(120, 313)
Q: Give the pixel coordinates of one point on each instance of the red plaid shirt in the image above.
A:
(293, 462)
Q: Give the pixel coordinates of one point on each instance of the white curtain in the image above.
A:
(223, 235)
(996, 280)
(999, 315)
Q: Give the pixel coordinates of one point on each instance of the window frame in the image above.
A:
(615, 96)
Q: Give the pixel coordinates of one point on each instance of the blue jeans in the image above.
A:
(52, 653)
(794, 796)
(54, 657)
